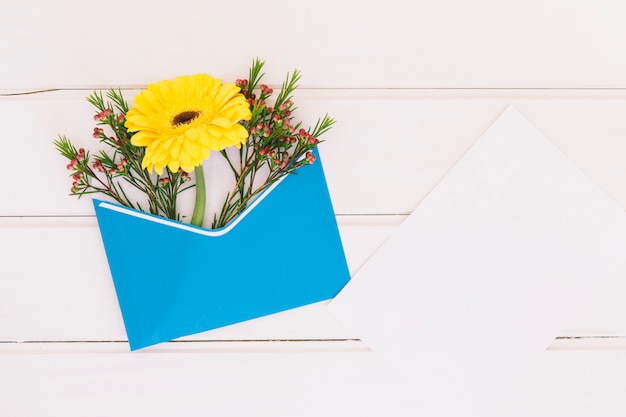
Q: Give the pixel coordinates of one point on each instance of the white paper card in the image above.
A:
(483, 275)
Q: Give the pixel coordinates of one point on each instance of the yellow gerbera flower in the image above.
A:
(180, 121)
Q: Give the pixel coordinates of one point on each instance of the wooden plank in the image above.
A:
(55, 285)
(336, 379)
(264, 382)
(385, 154)
(574, 378)
(449, 43)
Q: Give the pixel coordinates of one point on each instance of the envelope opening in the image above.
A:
(189, 227)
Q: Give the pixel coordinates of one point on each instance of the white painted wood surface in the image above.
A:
(412, 84)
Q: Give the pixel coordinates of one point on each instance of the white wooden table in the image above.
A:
(412, 84)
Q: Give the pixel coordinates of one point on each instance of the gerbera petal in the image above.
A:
(205, 138)
(194, 149)
(225, 93)
(184, 158)
(138, 121)
(159, 168)
(173, 165)
(222, 122)
(187, 167)
(241, 132)
(150, 102)
(186, 141)
(143, 138)
(175, 149)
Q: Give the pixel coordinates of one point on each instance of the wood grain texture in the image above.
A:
(413, 86)
(381, 167)
(56, 286)
(348, 43)
(573, 378)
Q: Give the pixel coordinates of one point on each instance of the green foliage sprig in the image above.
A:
(276, 146)
(119, 164)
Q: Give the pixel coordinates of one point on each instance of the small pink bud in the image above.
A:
(120, 118)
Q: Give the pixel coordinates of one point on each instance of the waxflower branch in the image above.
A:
(275, 146)
(154, 146)
(120, 163)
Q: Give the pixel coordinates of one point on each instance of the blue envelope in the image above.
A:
(173, 279)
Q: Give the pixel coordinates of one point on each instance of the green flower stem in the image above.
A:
(198, 209)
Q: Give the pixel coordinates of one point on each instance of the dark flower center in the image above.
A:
(185, 118)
